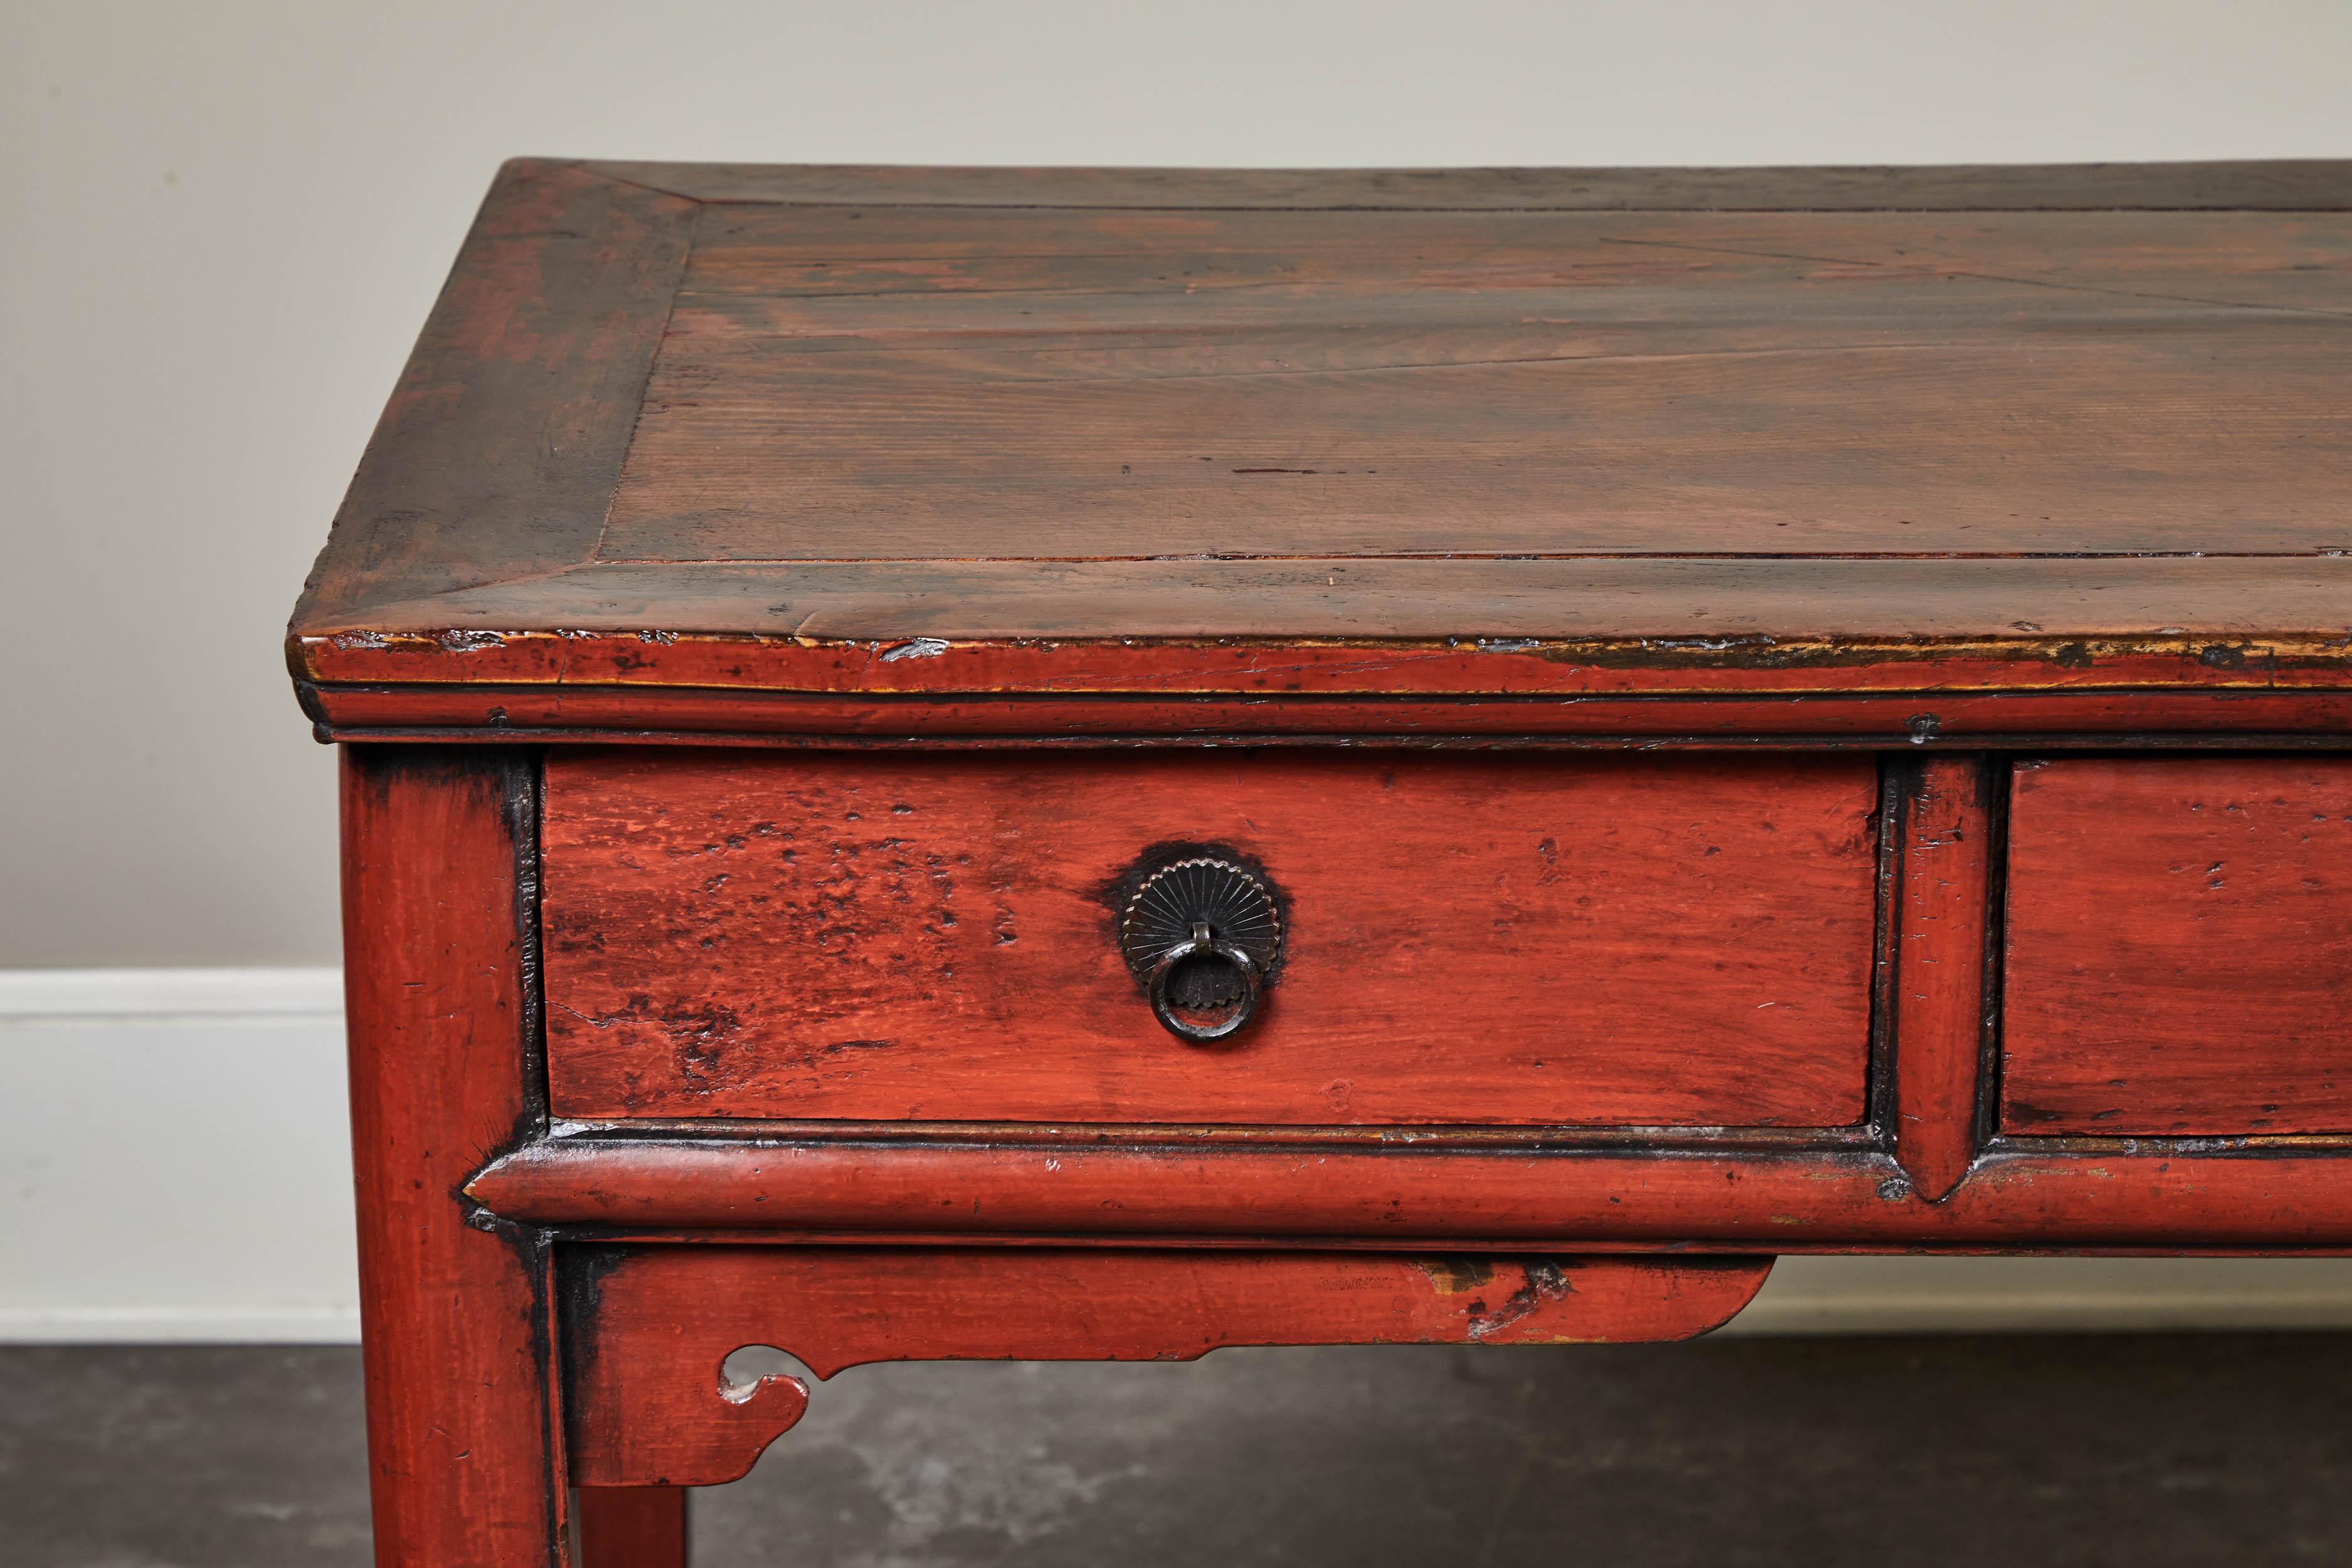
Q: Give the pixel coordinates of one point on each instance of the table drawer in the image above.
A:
(1486, 939)
(2180, 947)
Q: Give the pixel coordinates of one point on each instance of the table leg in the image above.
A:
(465, 1436)
(632, 1527)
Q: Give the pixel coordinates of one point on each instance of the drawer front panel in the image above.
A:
(2180, 947)
(1505, 941)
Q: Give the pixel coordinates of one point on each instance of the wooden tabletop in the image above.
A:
(1446, 432)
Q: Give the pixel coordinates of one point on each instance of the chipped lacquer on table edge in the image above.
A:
(532, 686)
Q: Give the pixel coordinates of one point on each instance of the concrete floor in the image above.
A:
(1893, 1452)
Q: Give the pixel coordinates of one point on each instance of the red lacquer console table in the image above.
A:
(1091, 764)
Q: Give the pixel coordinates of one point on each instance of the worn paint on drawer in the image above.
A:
(2180, 947)
(1502, 940)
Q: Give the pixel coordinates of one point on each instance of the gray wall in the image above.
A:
(222, 223)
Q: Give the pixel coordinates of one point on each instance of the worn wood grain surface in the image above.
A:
(2078, 615)
(2180, 947)
(2052, 426)
(651, 1328)
(499, 450)
(1468, 939)
(927, 384)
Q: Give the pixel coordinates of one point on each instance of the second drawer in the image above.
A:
(1499, 940)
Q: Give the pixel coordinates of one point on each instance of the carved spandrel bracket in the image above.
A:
(648, 1330)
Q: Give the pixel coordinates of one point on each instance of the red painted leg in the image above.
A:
(464, 1437)
(632, 1527)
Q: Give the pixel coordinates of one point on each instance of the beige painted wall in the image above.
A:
(222, 223)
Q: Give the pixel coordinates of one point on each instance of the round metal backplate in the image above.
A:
(1199, 890)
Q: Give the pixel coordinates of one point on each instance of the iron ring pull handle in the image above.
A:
(1203, 943)
(1201, 933)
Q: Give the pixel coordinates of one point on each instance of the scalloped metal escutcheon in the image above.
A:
(1235, 906)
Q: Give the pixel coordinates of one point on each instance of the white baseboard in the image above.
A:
(89, 1325)
(174, 1163)
(175, 1167)
(169, 996)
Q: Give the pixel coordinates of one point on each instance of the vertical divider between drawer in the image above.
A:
(1947, 838)
(2000, 770)
(527, 807)
(1895, 776)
